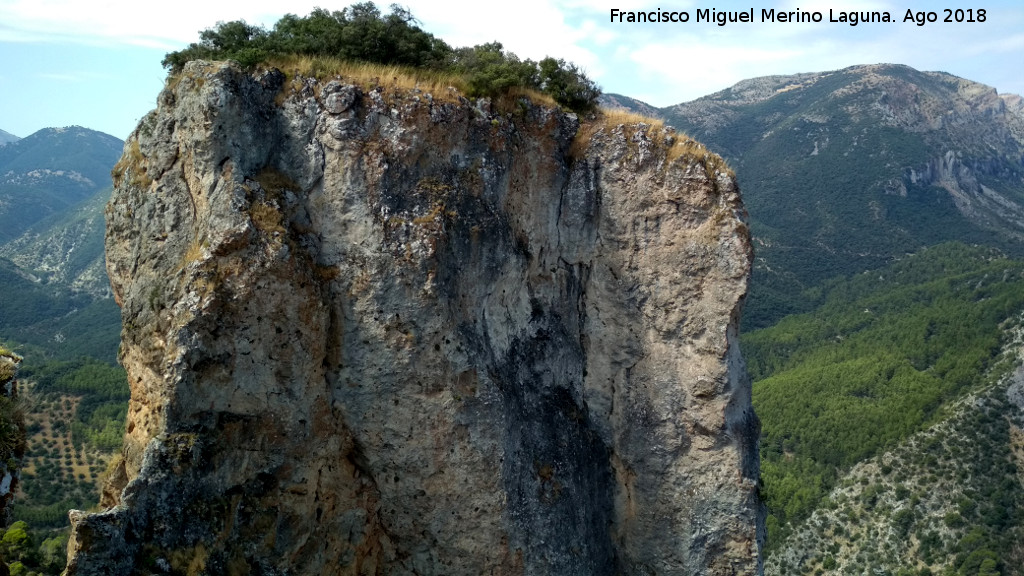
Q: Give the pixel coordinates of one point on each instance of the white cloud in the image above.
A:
(824, 6)
(1008, 44)
(130, 21)
(688, 67)
(665, 64)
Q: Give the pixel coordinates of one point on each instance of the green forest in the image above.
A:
(880, 359)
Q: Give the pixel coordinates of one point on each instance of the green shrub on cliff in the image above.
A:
(489, 69)
(360, 33)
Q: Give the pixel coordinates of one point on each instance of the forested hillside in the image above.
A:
(57, 314)
(946, 500)
(880, 359)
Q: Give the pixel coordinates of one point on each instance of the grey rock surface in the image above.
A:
(12, 435)
(371, 330)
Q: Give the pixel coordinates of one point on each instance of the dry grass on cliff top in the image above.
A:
(441, 86)
(367, 75)
(676, 144)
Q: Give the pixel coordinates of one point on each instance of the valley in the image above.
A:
(57, 313)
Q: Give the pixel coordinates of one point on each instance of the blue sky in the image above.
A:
(97, 63)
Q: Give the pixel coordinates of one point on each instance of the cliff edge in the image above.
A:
(12, 434)
(372, 330)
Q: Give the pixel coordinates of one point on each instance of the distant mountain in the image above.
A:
(53, 187)
(50, 171)
(842, 171)
(66, 248)
(630, 104)
(7, 138)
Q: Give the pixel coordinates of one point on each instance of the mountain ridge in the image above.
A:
(7, 138)
(845, 170)
(50, 171)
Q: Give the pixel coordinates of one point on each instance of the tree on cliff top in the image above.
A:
(360, 33)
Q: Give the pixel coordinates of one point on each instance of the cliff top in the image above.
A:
(361, 34)
(395, 87)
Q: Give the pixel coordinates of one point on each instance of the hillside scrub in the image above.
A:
(360, 33)
(946, 501)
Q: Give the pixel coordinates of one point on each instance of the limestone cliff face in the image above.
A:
(384, 332)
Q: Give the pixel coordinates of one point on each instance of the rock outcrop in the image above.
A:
(12, 434)
(379, 331)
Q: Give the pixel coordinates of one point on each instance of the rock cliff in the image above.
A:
(12, 434)
(372, 330)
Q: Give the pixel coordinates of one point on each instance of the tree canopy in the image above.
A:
(361, 33)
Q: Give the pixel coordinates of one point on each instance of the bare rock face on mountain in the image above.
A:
(378, 331)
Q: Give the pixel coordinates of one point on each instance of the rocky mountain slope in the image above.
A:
(53, 187)
(66, 249)
(372, 330)
(844, 170)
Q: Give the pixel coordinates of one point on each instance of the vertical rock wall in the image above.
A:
(12, 434)
(387, 332)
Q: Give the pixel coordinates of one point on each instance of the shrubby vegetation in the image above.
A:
(945, 502)
(876, 362)
(29, 552)
(12, 431)
(360, 33)
(56, 323)
(12, 436)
